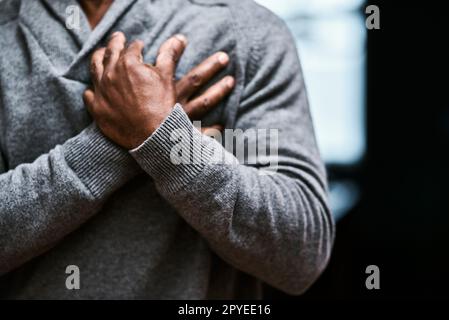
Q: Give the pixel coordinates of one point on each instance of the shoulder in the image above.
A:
(9, 11)
(263, 35)
(266, 31)
(248, 15)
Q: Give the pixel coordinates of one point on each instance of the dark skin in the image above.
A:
(125, 110)
(95, 10)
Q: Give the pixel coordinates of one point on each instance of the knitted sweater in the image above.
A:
(135, 223)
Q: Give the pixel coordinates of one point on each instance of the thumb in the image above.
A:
(89, 99)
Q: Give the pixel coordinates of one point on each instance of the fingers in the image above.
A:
(134, 50)
(113, 51)
(96, 66)
(199, 106)
(169, 54)
(200, 75)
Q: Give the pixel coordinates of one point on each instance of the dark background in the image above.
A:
(401, 222)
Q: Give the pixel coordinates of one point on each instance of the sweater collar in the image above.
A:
(46, 21)
(63, 10)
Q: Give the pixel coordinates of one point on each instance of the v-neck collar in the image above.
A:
(90, 38)
(36, 15)
(62, 9)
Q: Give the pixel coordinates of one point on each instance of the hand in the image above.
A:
(131, 99)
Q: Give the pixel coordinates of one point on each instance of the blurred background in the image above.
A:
(331, 40)
(382, 121)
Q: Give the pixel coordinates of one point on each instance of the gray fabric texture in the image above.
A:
(137, 225)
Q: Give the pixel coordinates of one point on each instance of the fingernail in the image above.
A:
(223, 58)
(115, 34)
(230, 82)
(181, 38)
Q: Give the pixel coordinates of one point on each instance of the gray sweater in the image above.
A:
(136, 224)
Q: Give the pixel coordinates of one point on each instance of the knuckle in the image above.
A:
(205, 102)
(127, 61)
(109, 77)
(155, 77)
(93, 67)
(194, 79)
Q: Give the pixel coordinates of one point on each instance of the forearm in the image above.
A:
(275, 227)
(42, 202)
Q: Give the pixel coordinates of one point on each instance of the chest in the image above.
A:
(42, 85)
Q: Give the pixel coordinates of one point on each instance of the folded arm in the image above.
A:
(275, 227)
(43, 201)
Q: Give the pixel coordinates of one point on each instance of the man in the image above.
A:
(106, 196)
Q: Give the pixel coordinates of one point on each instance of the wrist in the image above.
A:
(158, 118)
(150, 127)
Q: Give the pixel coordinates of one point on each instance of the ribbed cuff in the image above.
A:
(176, 152)
(100, 164)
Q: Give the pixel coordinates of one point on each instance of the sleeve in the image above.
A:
(276, 227)
(43, 201)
